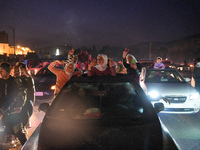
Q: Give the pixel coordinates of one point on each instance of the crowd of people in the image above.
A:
(17, 97)
(17, 90)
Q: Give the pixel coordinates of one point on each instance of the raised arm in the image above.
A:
(52, 68)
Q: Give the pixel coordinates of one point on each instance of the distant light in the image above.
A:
(57, 52)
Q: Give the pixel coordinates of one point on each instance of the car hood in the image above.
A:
(61, 134)
(165, 89)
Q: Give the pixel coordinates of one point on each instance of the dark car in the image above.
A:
(45, 82)
(168, 64)
(104, 113)
(146, 63)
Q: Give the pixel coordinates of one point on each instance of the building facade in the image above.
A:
(7, 50)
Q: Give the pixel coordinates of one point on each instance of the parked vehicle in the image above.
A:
(146, 63)
(104, 113)
(45, 82)
(168, 64)
(169, 83)
(33, 71)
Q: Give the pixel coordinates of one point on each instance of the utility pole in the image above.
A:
(13, 29)
(150, 50)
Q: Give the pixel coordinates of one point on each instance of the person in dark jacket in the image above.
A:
(196, 75)
(28, 82)
(131, 64)
(12, 99)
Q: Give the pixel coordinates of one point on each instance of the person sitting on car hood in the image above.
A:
(102, 67)
(159, 64)
(63, 75)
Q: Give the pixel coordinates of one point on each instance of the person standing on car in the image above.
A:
(12, 99)
(30, 85)
(159, 64)
(132, 66)
(102, 67)
(196, 75)
(73, 58)
(63, 75)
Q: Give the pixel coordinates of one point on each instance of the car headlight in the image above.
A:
(53, 87)
(154, 94)
(194, 95)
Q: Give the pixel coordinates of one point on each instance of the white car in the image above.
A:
(170, 84)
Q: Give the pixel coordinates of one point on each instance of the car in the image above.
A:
(33, 71)
(170, 84)
(45, 82)
(146, 63)
(104, 113)
(168, 64)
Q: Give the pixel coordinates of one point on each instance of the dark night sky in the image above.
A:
(98, 22)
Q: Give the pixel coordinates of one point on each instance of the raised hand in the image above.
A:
(125, 52)
(71, 52)
(93, 63)
(111, 62)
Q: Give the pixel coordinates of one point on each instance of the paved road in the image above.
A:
(184, 128)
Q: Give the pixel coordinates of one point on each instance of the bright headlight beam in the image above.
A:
(194, 95)
(153, 94)
(53, 87)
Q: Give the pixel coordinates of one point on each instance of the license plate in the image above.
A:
(39, 94)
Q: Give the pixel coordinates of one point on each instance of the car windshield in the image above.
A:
(39, 66)
(46, 72)
(163, 76)
(99, 101)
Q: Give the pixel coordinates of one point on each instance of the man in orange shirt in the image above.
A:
(63, 75)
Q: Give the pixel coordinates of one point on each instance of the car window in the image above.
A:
(99, 100)
(163, 76)
(46, 72)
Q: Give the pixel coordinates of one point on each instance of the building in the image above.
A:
(7, 50)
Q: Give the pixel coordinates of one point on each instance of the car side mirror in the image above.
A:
(187, 79)
(44, 107)
(159, 107)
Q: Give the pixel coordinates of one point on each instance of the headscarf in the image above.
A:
(132, 58)
(105, 62)
(198, 65)
(159, 58)
(69, 73)
(75, 63)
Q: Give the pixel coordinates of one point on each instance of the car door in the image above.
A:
(142, 80)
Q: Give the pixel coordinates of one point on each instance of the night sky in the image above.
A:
(40, 23)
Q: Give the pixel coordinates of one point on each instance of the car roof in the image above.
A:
(166, 69)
